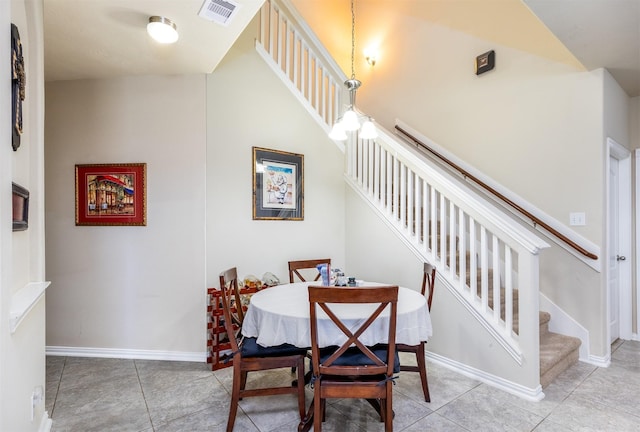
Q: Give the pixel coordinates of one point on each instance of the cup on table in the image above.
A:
(325, 273)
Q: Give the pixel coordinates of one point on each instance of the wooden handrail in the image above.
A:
(536, 221)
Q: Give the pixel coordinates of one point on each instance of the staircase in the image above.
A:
(413, 197)
(557, 352)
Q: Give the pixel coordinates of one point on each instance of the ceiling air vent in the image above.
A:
(220, 11)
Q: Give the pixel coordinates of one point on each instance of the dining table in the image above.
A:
(280, 314)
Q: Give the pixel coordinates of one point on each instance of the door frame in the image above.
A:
(636, 336)
(623, 156)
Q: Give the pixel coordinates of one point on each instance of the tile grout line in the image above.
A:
(144, 398)
(239, 407)
(55, 397)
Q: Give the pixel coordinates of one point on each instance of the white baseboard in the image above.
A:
(532, 394)
(126, 353)
(45, 423)
(562, 323)
(598, 361)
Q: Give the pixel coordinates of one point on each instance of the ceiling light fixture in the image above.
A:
(162, 30)
(350, 120)
(371, 59)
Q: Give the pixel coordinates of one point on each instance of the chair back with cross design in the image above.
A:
(353, 369)
(296, 266)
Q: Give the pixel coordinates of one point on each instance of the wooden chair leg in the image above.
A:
(422, 367)
(388, 409)
(235, 399)
(243, 380)
(301, 396)
(318, 412)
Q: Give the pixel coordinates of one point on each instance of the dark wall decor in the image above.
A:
(18, 84)
(485, 62)
(20, 207)
(278, 185)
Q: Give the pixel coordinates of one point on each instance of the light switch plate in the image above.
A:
(577, 219)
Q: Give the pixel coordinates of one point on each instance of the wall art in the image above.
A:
(111, 194)
(278, 185)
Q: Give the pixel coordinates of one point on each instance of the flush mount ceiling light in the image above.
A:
(350, 120)
(162, 30)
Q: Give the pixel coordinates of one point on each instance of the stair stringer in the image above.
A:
(563, 323)
(387, 174)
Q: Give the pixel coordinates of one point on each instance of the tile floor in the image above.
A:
(95, 394)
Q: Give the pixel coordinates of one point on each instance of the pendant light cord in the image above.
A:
(353, 39)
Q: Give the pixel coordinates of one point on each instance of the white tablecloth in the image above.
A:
(280, 315)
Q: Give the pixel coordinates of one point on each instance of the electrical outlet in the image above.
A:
(37, 398)
(577, 219)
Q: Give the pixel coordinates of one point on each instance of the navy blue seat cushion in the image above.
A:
(250, 348)
(353, 356)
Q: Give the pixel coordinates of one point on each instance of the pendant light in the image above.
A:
(350, 120)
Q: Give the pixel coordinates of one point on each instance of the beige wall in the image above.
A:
(530, 124)
(247, 105)
(22, 358)
(123, 290)
(128, 288)
(529, 118)
(634, 136)
(535, 124)
(634, 121)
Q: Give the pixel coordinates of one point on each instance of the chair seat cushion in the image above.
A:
(250, 348)
(353, 356)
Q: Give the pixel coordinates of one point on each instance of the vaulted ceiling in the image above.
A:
(87, 39)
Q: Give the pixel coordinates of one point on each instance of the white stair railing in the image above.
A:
(483, 257)
(295, 54)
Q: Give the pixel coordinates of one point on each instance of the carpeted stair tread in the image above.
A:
(557, 352)
(545, 317)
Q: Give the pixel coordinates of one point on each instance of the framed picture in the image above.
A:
(111, 194)
(485, 62)
(20, 204)
(278, 185)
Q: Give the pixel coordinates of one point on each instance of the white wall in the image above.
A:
(534, 124)
(247, 105)
(22, 359)
(634, 121)
(616, 112)
(531, 124)
(617, 126)
(117, 290)
(634, 137)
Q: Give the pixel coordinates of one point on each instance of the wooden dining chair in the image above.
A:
(295, 266)
(248, 356)
(428, 281)
(353, 370)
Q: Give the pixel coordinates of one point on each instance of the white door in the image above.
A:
(619, 246)
(614, 257)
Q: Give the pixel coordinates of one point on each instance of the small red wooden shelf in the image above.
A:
(218, 346)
